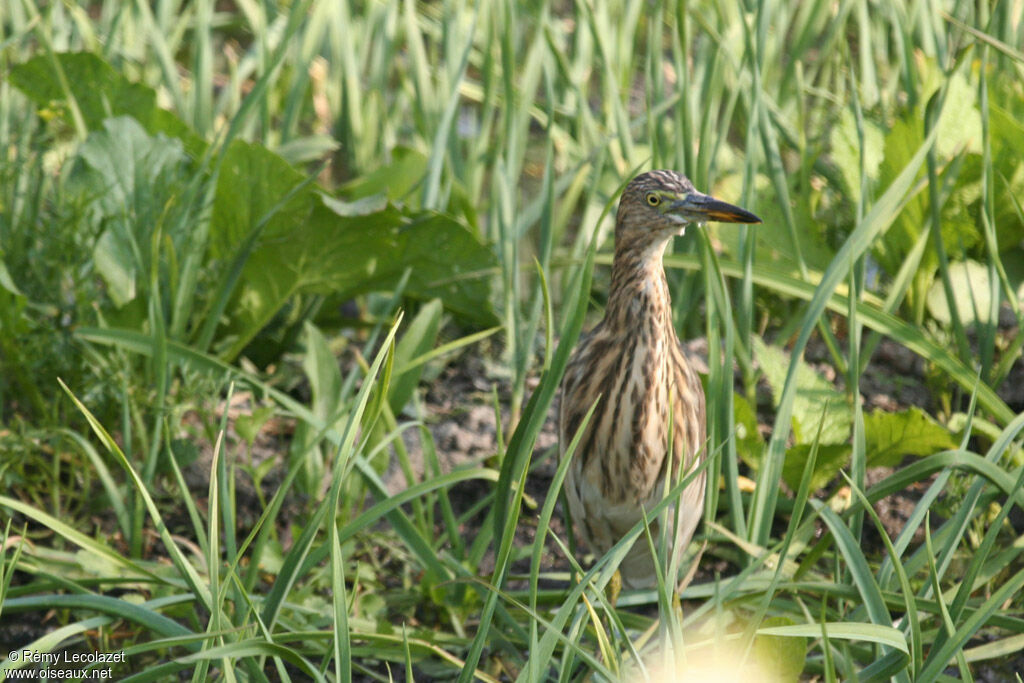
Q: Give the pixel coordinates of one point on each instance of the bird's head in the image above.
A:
(658, 204)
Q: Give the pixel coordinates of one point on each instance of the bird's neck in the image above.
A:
(638, 294)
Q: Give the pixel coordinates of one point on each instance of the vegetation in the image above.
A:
(223, 223)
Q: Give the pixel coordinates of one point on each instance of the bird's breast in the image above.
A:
(646, 388)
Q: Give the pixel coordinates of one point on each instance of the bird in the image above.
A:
(634, 366)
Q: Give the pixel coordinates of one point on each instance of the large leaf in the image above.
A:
(831, 458)
(749, 443)
(972, 294)
(813, 394)
(750, 446)
(419, 338)
(958, 131)
(396, 181)
(321, 368)
(901, 143)
(779, 657)
(960, 123)
(128, 180)
(892, 436)
(773, 236)
(308, 243)
(256, 186)
(447, 260)
(99, 93)
(847, 149)
(1007, 134)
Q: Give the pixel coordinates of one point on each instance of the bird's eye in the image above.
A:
(653, 199)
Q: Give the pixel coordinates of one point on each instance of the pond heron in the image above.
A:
(634, 361)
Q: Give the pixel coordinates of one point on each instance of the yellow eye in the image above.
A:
(653, 199)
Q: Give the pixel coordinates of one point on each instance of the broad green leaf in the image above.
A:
(750, 447)
(960, 123)
(116, 264)
(307, 148)
(395, 180)
(1007, 138)
(249, 425)
(847, 149)
(315, 244)
(128, 162)
(419, 337)
(779, 658)
(100, 92)
(891, 436)
(749, 443)
(447, 261)
(831, 458)
(773, 237)
(958, 132)
(971, 292)
(251, 184)
(98, 89)
(128, 180)
(6, 281)
(813, 394)
(896, 241)
(321, 368)
(349, 255)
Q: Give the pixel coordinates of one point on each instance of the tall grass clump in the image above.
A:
(238, 241)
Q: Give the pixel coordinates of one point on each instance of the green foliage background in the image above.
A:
(316, 205)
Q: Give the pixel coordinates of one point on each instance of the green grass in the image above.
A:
(191, 194)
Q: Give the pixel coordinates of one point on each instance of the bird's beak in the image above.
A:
(700, 208)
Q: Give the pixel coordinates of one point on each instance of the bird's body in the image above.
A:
(634, 361)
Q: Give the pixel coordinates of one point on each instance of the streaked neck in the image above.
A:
(638, 294)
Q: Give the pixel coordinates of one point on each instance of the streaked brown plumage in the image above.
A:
(634, 361)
